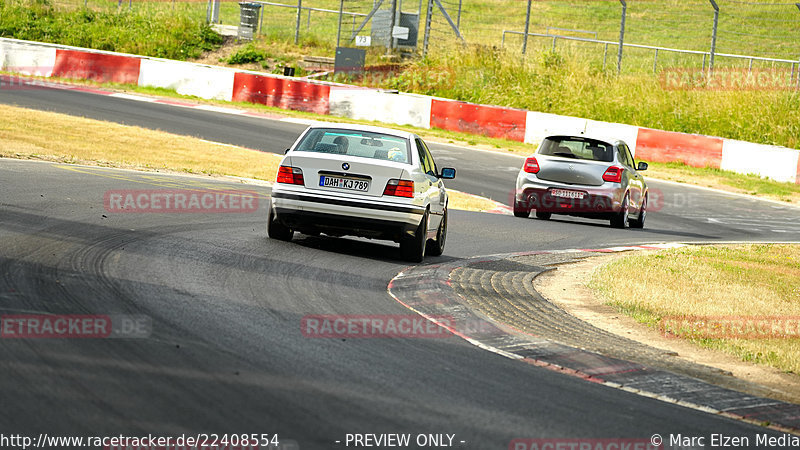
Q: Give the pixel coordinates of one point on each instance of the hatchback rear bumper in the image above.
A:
(599, 203)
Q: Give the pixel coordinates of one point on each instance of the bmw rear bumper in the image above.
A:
(313, 214)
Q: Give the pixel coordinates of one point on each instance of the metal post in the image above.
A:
(714, 35)
(339, 30)
(798, 65)
(621, 36)
(427, 29)
(375, 8)
(214, 11)
(655, 62)
(297, 25)
(527, 27)
(308, 24)
(458, 19)
(554, 43)
(392, 24)
(704, 62)
(605, 54)
(449, 20)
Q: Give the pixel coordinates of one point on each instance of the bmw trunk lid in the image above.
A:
(345, 174)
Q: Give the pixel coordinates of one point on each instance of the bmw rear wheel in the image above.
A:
(413, 248)
(436, 248)
(276, 230)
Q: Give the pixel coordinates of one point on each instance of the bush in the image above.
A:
(247, 54)
(159, 33)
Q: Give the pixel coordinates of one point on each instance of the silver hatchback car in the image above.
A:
(585, 177)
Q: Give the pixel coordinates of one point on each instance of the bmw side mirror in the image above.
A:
(286, 151)
(448, 173)
(641, 166)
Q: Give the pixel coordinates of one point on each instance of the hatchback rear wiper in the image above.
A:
(566, 155)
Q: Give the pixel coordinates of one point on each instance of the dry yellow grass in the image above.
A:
(469, 202)
(50, 136)
(742, 281)
(30, 134)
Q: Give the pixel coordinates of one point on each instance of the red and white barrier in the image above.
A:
(371, 104)
(100, 67)
(215, 83)
(627, 133)
(281, 92)
(539, 125)
(27, 58)
(667, 146)
(778, 163)
(492, 121)
(35, 58)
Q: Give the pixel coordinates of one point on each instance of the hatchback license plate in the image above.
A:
(562, 193)
(343, 183)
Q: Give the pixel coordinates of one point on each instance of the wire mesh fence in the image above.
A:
(669, 33)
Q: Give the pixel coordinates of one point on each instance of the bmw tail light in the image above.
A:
(290, 175)
(399, 188)
(531, 165)
(613, 174)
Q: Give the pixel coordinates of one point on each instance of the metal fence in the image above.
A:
(708, 57)
(730, 29)
(626, 35)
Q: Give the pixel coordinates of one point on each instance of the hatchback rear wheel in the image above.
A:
(639, 221)
(620, 220)
(521, 211)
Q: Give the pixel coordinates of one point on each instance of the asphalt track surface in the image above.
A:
(226, 353)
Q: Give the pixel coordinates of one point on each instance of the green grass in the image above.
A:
(572, 80)
(152, 31)
(741, 281)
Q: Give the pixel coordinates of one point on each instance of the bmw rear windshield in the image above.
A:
(577, 148)
(365, 144)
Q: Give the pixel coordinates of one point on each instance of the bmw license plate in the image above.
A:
(563, 193)
(343, 183)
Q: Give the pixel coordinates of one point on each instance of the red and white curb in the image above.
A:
(427, 291)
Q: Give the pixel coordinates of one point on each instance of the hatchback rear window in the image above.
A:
(577, 148)
(356, 143)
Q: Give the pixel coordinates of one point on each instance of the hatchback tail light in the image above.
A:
(399, 188)
(290, 175)
(531, 165)
(613, 174)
